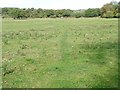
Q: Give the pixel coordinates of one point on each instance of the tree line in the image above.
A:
(109, 10)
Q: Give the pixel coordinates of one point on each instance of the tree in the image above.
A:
(110, 10)
(15, 13)
(108, 14)
(58, 13)
(92, 12)
(66, 13)
(49, 13)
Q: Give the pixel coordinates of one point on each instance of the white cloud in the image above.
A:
(54, 4)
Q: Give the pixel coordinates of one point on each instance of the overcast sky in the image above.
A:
(55, 4)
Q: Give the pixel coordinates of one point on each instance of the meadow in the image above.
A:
(60, 53)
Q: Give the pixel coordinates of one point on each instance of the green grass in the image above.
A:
(60, 53)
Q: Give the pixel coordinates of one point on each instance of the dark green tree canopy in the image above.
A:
(92, 12)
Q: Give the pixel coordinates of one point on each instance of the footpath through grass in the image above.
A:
(60, 53)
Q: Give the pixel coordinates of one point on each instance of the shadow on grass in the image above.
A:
(98, 53)
(110, 80)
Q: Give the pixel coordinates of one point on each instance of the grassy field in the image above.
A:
(60, 53)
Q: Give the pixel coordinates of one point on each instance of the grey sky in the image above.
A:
(54, 4)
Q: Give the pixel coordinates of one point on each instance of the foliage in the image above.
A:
(108, 14)
(66, 13)
(109, 10)
(92, 12)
